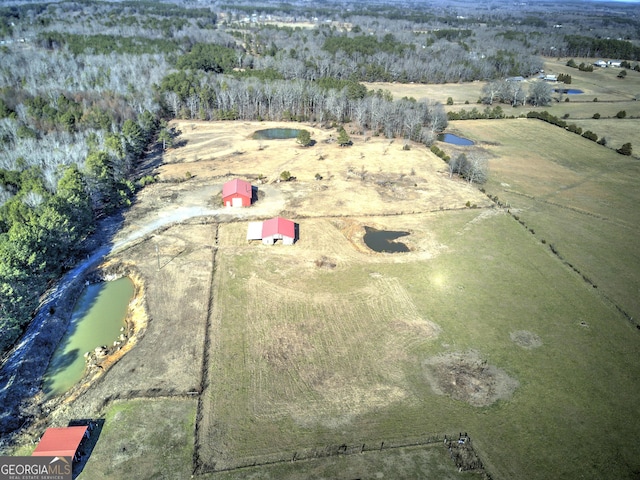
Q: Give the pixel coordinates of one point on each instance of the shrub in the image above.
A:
(146, 180)
(304, 138)
(595, 99)
(285, 175)
(574, 129)
(590, 135)
(625, 149)
(621, 114)
(449, 101)
(596, 116)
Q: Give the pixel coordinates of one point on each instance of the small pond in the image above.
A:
(454, 139)
(97, 318)
(275, 133)
(383, 240)
(569, 91)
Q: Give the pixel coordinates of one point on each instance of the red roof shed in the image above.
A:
(237, 193)
(278, 229)
(60, 442)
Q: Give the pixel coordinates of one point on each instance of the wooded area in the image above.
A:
(86, 86)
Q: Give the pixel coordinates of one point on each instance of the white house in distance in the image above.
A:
(269, 231)
(237, 193)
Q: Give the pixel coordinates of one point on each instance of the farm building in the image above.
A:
(237, 193)
(271, 230)
(61, 442)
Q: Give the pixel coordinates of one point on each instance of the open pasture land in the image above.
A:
(478, 329)
(374, 175)
(461, 93)
(602, 83)
(613, 95)
(577, 196)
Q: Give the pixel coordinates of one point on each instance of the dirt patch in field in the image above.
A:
(526, 339)
(467, 377)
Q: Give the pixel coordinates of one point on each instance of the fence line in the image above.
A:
(459, 445)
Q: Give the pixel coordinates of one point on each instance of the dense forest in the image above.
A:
(87, 86)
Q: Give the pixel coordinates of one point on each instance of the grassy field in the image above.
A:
(480, 328)
(307, 357)
(603, 93)
(577, 196)
(259, 354)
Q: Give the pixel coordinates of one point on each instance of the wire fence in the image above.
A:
(459, 446)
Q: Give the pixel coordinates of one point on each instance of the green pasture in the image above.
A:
(353, 374)
(576, 195)
(144, 439)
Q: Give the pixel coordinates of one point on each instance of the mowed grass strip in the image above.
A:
(575, 195)
(349, 371)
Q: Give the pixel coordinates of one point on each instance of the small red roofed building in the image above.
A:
(61, 442)
(237, 193)
(278, 229)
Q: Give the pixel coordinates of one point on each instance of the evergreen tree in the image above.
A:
(343, 137)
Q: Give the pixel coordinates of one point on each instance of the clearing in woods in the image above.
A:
(479, 328)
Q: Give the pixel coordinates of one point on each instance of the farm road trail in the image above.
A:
(22, 369)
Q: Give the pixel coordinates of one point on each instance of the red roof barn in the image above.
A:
(278, 229)
(237, 193)
(60, 442)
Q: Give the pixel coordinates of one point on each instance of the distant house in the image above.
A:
(269, 231)
(615, 63)
(551, 78)
(600, 63)
(237, 193)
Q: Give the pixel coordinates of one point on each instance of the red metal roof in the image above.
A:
(60, 442)
(280, 226)
(236, 186)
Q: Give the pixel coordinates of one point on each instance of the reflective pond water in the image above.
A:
(569, 91)
(383, 240)
(454, 139)
(97, 318)
(275, 133)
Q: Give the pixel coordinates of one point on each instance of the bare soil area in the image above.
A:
(468, 378)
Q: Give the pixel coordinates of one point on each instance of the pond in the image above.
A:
(383, 240)
(275, 133)
(454, 139)
(97, 319)
(569, 91)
